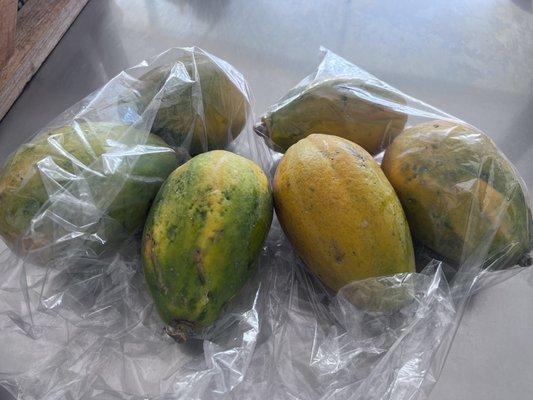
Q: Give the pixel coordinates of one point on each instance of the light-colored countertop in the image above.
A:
(473, 59)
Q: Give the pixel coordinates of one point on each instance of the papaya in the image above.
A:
(202, 236)
(94, 156)
(340, 213)
(203, 107)
(346, 107)
(463, 199)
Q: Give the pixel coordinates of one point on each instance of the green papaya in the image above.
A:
(203, 233)
(341, 107)
(203, 107)
(462, 197)
(94, 156)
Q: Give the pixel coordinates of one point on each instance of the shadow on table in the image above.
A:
(206, 10)
(526, 5)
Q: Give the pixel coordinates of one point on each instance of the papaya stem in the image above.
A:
(180, 330)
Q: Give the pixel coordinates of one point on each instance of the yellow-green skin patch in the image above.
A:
(23, 191)
(203, 233)
(459, 192)
(336, 107)
(203, 111)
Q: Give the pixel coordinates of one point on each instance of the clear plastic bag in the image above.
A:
(84, 326)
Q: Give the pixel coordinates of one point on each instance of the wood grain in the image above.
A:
(8, 23)
(40, 26)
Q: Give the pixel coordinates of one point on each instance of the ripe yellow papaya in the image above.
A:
(349, 108)
(340, 213)
(204, 231)
(203, 109)
(462, 197)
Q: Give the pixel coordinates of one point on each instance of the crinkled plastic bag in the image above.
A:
(84, 326)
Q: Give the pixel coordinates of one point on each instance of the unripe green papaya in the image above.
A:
(340, 107)
(203, 108)
(203, 233)
(94, 156)
(462, 197)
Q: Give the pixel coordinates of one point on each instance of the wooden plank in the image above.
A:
(8, 23)
(40, 26)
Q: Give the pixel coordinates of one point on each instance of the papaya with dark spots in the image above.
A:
(219, 207)
(463, 199)
(359, 111)
(351, 227)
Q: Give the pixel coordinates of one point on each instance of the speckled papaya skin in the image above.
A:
(203, 234)
(340, 212)
(201, 109)
(336, 107)
(462, 197)
(23, 190)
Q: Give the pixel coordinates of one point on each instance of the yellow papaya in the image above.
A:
(462, 197)
(340, 213)
(349, 108)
